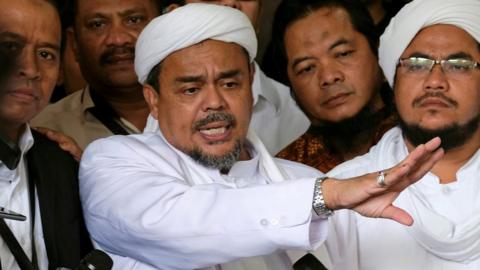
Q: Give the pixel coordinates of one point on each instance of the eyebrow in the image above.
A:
(298, 60)
(49, 45)
(200, 78)
(450, 56)
(189, 79)
(339, 42)
(14, 36)
(460, 55)
(21, 39)
(228, 74)
(132, 11)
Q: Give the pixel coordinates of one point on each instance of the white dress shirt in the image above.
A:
(144, 199)
(446, 230)
(276, 117)
(14, 195)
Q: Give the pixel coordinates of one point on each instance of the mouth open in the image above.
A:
(215, 133)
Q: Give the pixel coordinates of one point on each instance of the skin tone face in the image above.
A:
(436, 100)
(29, 29)
(331, 68)
(105, 34)
(251, 8)
(208, 78)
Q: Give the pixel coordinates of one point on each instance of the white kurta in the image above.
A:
(276, 117)
(144, 199)
(446, 231)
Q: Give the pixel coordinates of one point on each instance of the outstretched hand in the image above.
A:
(366, 196)
(64, 141)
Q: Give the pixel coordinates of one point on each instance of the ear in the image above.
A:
(170, 8)
(151, 96)
(71, 42)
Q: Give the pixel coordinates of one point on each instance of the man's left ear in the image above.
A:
(151, 97)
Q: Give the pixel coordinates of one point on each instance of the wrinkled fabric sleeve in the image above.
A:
(138, 207)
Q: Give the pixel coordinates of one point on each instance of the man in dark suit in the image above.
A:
(37, 178)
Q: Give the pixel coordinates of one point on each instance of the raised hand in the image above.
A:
(368, 196)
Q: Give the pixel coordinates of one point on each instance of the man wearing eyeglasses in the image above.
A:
(430, 55)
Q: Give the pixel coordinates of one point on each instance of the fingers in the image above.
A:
(426, 165)
(433, 144)
(65, 142)
(52, 135)
(397, 214)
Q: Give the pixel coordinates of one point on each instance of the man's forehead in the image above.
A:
(87, 7)
(442, 38)
(18, 19)
(213, 48)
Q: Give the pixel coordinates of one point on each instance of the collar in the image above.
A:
(266, 88)
(11, 153)
(86, 99)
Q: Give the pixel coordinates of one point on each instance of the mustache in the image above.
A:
(215, 117)
(108, 55)
(450, 102)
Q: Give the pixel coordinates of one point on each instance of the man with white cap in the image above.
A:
(276, 117)
(430, 54)
(203, 190)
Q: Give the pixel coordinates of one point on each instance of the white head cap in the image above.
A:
(419, 14)
(187, 26)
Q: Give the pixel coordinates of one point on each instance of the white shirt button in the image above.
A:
(274, 221)
(264, 222)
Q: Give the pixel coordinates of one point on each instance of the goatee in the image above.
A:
(452, 136)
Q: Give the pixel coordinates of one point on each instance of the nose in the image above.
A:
(436, 80)
(231, 3)
(119, 36)
(28, 65)
(214, 100)
(329, 74)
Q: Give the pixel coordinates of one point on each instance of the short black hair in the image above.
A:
(289, 11)
(152, 78)
(165, 3)
(68, 11)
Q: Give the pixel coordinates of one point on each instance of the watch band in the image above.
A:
(318, 204)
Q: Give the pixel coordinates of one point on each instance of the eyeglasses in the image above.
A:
(423, 66)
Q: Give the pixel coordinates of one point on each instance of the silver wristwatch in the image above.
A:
(318, 204)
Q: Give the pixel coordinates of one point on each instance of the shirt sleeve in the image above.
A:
(141, 208)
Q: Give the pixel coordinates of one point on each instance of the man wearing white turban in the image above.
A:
(276, 117)
(203, 190)
(430, 55)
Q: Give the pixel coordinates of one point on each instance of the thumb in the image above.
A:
(397, 214)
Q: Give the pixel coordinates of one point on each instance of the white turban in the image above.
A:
(419, 14)
(187, 26)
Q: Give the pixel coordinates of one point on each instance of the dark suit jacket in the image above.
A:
(55, 174)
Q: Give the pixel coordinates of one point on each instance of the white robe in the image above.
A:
(276, 117)
(445, 233)
(144, 199)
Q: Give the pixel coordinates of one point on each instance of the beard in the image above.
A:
(223, 163)
(347, 130)
(220, 162)
(452, 136)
